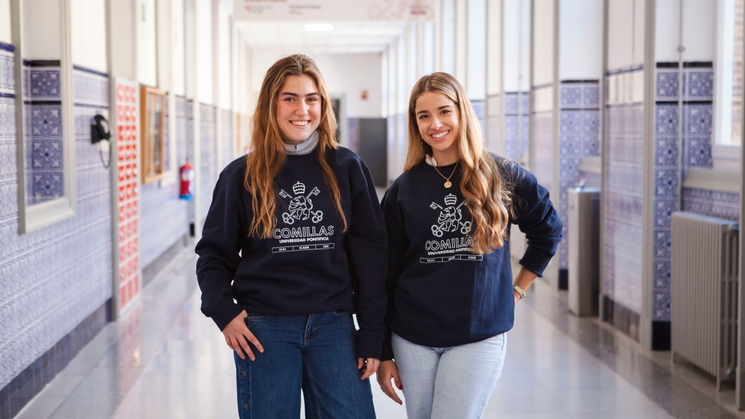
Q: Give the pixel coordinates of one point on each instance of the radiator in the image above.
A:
(704, 293)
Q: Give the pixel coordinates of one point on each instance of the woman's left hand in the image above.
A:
(368, 366)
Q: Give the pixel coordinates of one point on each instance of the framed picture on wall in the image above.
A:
(153, 124)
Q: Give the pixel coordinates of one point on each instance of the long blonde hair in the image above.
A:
(268, 154)
(484, 185)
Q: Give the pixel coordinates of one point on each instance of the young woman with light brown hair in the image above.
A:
(451, 296)
(293, 244)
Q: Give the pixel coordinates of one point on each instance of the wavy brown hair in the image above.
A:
(485, 184)
(268, 154)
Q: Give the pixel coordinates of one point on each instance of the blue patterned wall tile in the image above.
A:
(665, 182)
(510, 104)
(591, 96)
(661, 305)
(663, 209)
(590, 122)
(699, 84)
(44, 84)
(718, 204)
(698, 120)
(7, 73)
(46, 121)
(570, 96)
(91, 89)
(662, 271)
(662, 242)
(570, 145)
(591, 145)
(666, 120)
(699, 152)
(568, 168)
(666, 152)
(46, 155)
(571, 122)
(624, 206)
(667, 86)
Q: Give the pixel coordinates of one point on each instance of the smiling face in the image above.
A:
(298, 109)
(438, 121)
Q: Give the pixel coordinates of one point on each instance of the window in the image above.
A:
(729, 75)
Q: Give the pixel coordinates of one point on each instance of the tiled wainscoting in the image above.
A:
(55, 283)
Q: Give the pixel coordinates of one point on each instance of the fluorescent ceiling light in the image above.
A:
(318, 27)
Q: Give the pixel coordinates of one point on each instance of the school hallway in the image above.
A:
(167, 360)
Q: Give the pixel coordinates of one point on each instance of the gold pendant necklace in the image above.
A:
(448, 184)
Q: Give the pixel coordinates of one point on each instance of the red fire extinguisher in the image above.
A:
(186, 173)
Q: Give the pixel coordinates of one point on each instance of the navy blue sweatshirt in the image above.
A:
(440, 293)
(304, 267)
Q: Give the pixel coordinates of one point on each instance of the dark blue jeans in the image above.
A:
(315, 353)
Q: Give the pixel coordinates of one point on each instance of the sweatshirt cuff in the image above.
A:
(224, 314)
(368, 345)
(535, 260)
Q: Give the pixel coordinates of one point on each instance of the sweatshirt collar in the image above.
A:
(304, 147)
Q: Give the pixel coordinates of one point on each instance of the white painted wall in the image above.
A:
(164, 58)
(511, 23)
(699, 30)
(447, 25)
(412, 54)
(146, 42)
(5, 30)
(41, 30)
(667, 30)
(122, 39)
(89, 34)
(525, 34)
(476, 49)
(178, 60)
(494, 47)
(346, 75)
(428, 48)
(620, 34)
(581, 39)
(224, 59)
(543, 42)
(204, 46)
(638, 31)
(461, 41)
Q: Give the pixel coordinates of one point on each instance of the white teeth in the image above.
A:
(299, 123)
(440, 135)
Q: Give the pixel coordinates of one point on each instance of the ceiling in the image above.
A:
(346, 37)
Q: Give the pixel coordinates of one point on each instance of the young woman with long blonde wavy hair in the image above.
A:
(293, 244)
(451, 295)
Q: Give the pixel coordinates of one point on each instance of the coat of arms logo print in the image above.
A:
(301, 205)
(450, 216)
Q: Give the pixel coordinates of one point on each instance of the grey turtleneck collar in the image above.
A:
(304, 147)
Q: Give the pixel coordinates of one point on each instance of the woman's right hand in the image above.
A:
(237, 336)
(387, 371)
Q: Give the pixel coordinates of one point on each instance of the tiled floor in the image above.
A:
(166, 360)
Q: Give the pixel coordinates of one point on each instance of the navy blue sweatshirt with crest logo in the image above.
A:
(308, 264)
(440, 293)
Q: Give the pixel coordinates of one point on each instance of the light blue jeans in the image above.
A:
(447, 383)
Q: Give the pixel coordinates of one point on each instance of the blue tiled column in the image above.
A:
(579, 120)
(695, 137)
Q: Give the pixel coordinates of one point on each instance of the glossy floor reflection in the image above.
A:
(166, 360)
